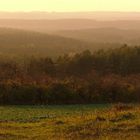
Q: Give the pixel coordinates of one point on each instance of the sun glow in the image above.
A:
(69, 5)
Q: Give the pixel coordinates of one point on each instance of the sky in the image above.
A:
(69, 5)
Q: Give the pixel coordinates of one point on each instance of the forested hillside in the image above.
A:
(26, 43)
(14, 42)
(88, 67)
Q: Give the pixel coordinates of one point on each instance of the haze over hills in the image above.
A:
(104, 35)
(82, 29)
(17, 42)
(96, 15)
(13, 41)
(54, 33)
(28, 43)
(45, 21)
(45, 25)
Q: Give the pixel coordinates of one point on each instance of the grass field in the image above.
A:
(76, 122)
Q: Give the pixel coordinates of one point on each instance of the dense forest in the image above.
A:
(102, 76)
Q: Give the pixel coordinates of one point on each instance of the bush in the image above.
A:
(58, 93)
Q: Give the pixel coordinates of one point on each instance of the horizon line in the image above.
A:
(43, 11)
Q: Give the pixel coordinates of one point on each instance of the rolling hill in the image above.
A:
(47, 25)
(104, 35)
(21, 42)
(15, 42)
(89, 30)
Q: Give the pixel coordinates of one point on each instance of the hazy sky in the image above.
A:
(69, 5)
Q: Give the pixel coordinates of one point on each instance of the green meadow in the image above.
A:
(70, 122)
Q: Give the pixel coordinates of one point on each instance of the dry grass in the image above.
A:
(107, 124)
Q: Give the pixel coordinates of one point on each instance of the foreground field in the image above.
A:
(101, 122)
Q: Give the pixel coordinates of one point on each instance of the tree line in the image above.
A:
(104, 76)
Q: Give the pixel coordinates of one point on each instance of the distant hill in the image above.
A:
(27, 43)
(95, 15)
(104, 35)
(45, 25)
(13, 41)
